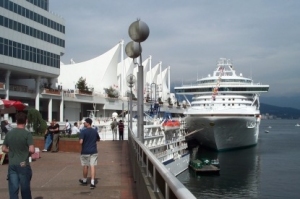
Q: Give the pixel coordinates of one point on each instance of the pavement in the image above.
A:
(56, 175)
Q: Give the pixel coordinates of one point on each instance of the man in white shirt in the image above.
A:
(68, 128)
(75, 129)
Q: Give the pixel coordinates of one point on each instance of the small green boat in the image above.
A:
(203, 166)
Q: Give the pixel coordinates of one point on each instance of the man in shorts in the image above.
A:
(88, 139)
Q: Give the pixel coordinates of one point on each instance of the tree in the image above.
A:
(111, 92)
(35, 121)
(81, 84)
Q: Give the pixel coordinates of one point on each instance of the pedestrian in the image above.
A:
(81, 127)
(3, 127)
(114, 128)
(88, 139)
(67, 128)
(54, 129)
(121, 130)
(8, 126)
(75, 129)
(18, 143)
(48, 137)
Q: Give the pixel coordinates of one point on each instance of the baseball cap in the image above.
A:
(88, 120)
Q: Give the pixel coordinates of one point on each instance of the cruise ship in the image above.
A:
(224, 111)
(166, 140)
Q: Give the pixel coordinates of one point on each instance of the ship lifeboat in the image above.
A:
(169, 125)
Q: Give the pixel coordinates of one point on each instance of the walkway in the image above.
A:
(55, 175)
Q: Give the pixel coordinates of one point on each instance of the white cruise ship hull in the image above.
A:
(179, 165)
(224, 132)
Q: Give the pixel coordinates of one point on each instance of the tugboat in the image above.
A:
(204, 166)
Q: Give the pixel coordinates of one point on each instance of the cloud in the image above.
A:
(261, 37)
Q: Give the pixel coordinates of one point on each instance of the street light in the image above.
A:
(138, 31)
(130, 79)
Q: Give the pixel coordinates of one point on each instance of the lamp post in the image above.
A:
(138, 31)
(130, 79)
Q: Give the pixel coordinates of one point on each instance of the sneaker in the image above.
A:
(92, 186)
(44, 150)
(82, 183)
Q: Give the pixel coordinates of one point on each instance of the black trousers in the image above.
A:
(121, 135)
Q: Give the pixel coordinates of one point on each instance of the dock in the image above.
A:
(201, 167)
(208, 169)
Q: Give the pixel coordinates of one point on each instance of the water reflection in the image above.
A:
(238, 176)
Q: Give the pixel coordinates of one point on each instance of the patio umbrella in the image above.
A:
(11, 106)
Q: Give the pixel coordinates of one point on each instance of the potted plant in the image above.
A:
(111, 92)
(170, 102)
(82, 87)
(160, 101)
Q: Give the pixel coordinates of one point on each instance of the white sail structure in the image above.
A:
(99, 72)
(109, 70)
(162, 82)
(127, 69)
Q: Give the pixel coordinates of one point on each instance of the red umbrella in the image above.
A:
(11, 106)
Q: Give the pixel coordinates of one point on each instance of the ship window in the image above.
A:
(228, 104)
(232, 104)
(223, 99)
(223, 104)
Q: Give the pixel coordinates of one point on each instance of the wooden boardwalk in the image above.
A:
(56, 175)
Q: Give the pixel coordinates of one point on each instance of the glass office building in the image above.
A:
(32, 40)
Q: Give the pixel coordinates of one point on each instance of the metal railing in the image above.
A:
(153, 179)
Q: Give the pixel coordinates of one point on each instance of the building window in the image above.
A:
(28, 53)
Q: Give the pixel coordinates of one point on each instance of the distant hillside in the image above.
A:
(280, 112)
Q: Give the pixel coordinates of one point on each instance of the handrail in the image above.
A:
(171, 185)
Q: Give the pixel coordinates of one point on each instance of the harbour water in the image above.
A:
(268, 170)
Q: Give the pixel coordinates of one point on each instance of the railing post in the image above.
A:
(154, 179)
(147, 167)
(167, 191)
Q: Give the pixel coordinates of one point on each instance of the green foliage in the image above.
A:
(36, 122)
(169, 101)
(111, 92)
(81, 84)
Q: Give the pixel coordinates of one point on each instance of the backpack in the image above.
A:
(112, 125)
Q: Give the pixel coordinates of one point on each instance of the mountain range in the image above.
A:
(279, 112)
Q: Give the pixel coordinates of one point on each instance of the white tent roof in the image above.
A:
(99, 72)
(106, 70)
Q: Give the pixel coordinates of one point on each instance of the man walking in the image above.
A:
(18, 143)
(54, 129)
(88, 139)
(114, 128)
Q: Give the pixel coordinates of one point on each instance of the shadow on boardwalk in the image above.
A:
(55, 175)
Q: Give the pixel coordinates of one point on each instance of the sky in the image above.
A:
(260, 37)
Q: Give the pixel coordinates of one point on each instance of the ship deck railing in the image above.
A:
(170, 151)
